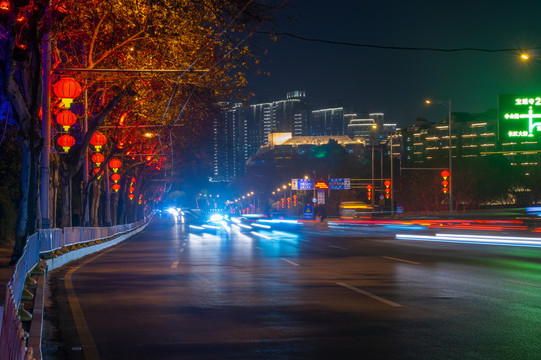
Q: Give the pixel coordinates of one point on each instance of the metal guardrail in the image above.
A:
(12, 336)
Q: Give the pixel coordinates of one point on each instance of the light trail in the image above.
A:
(475, 239)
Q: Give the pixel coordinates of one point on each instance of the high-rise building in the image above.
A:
(291, 114)
(242, 129)
(328, 122)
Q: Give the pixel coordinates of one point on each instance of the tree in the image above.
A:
(206, 35)
(204, 40)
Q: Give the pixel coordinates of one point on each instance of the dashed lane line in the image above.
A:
(289, 262)
(370, 295)
(522, 283)
(402, 260)
(337, 247)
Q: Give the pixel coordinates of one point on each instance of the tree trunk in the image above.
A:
(22, 212)
(27, 211)
(96, 191)
(65, 180)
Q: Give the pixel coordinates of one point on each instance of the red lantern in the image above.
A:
(98, 158)
(97, 171)
(116, 187)
(67, 89)
(4, 6)
(131, 196)
(445, 174)
(132, 189)
(115, 164)
(66, 141)
(66, 118)
(132, 180)
(115, 177)
(98, 140)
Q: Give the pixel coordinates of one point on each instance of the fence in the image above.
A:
(12, 335)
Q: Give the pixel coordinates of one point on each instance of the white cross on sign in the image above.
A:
(530, 116)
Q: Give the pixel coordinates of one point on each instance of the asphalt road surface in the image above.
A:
(172, 292)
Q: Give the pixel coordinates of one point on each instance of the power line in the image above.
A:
(375, 46)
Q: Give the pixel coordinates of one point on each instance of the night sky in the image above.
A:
(396, 82)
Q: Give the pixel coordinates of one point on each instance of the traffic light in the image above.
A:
(369, 193)
(387, 184)
(445, 183)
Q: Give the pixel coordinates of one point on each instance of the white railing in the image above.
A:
(12, 337)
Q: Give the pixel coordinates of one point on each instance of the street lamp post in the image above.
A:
(448, 103)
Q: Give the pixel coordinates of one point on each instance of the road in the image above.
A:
(301, 293)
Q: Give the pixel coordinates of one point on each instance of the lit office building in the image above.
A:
(291, 115)
(328, 122)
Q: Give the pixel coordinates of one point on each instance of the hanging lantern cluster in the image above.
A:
(66, 89)
(132, 189)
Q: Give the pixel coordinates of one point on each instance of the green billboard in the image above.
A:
(519, 117)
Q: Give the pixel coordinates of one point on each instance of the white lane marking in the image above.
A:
(337, 247)
(397, 259)
(175, 265)
(289, 261)
(522, 283)
(370, 295)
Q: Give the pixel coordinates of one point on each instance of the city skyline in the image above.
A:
(397, 81)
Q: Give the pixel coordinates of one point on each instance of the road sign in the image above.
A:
(321, 196)
(340, 184)
(321, 185)
(302, 184)
(308, 213)
(519, 117)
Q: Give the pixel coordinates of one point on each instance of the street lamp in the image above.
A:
(448, 103)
